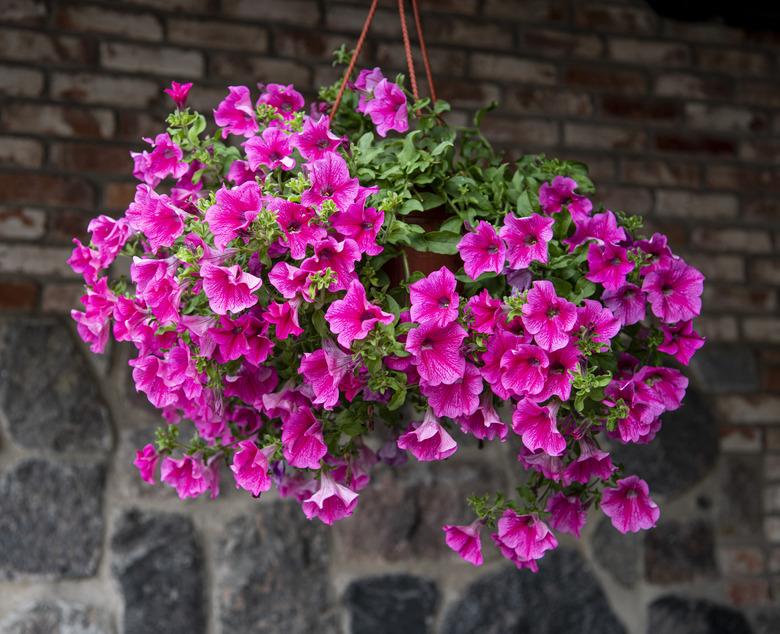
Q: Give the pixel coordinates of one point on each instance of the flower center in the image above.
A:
(367, 315)
(552, 312)
(427, 344)
(533, 362)
(531, 241)
(667, 290)
(294, 227)
(326, 192)
(367, 226)
(322, 144)
(492, 249)
(444, 302)
(614, 261)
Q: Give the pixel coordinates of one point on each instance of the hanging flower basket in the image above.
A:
(317, 293)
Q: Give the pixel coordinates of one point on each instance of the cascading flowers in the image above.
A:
(262, 312)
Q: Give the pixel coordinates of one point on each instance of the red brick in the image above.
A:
(750, 408)
(511, 68)
(630, 82)
(298, 12)
(61, 298)
(531, 11)
(747, 177)
(139, 26)
(741, 560)
(66, 224)
(467, 94)
(718, 328)
(45, 189)
(603, 137)
(549, 101)
(210, 33)
(133, 125)
(20, 82)
(165, 61)
(251, 69)
(24, 11)
(695, 144)
(765, 94)
(675, 230)
(732, 240)
(117, 196)
(346, 19)
(692, 86)
(523, 132)
(33, 46)
(20, 152)
(457, 31)
(35, 260)
(312, 46)
(741, 63)
(634, 200)
(681, 204)
(657, 172)
(392, 57)
(726, 118)
(738, 299)
(553, 43)
(18, 295)
(601, 168)
(718, 268)
(205, 99)
(58, 121)
(104, 89)
(762, 329)
(88, 157)
(22, 223)
(764, 150)
(657, 53)
(622, 18)
(766, 270)
(641, 108)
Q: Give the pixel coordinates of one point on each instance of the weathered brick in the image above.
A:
(532, 10)
(392, 56)
(165, 61)
(772, 498)
(623, 18)
(718, 268)
(738, 299)
(210, 33)
(764, 209)
(675, 230)
(695, 144)
(604, 137)
(762, 329)
(772, 529)
(456, 6)
(45, 189)
(601, 168)
(765, 150)
(467, 94)
(550, 101)
(190, 6)
(117, 196)
(91, 88)
(252, 69)
(133, 125)
(746, 178)
(692, 86)
(774, 560)
(24, 11)
(765, 94)
(139, 26)
(18, 295)
(20, 152)
(750, 408)
(527, 132)
(61, 298)
(722, 328)
(34, 46)
(58, 121)
(22, 223)
(772, 467)
(658, 53)
(741, 560)
(346, 19)
(766, 270)
(741, 438)
(748, 592)
(641, 108)
(682, 204)
(512, 68)
(657, 172)
(20, 82)
(738, 62)
(205, 99)
(456, 31)
(732, 240)
(88, 157)
(318, 46)
(632, 199)
(727, 118)
(610, 79)
(298, 12)
(35, 260)
(553, 43)
(66, 224)
(704, 31)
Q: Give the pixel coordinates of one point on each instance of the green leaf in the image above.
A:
(562, 287)
(442, 147)
(523, 205)
(411, 205)
(430, 200)
(320, 325)
(443, 242)
(454, 225)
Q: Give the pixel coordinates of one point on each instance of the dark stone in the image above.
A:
(392, 604)
(47, 390)
(51, 521)
(683, 452)
(767, 621)
(677, 552)
(676, 615)
(408, 506)
(739, 504)
(158, 562)
(272, 572)
(725, 368)
(58, 617)
(564, 596)
(617, 553)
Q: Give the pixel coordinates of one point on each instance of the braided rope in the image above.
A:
(408, 49)
(424, 51)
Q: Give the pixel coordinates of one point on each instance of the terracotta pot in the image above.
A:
(422, 261)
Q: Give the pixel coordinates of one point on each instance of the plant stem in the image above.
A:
(405, 261)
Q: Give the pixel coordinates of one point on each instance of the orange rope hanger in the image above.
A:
(407, 50)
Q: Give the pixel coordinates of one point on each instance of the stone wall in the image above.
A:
(679, 121)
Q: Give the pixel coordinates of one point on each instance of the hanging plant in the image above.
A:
(318, 293)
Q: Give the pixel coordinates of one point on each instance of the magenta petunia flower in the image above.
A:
(241, 337)
(658, 250)
(315, 140)
(251, 384)
(524, 369)
(295, 222)
(272, 149)
(558, 378)
(547, 317)
(681, 341)
(436, 352)
(551, 467)
(284, 318)
(627, 304)
(460, 398)
(85, 262)
(388, 109)
(427, 440)
(497, 345)
(482, 250)
(365, 83)
(156, 217)
(362, 224)
(660, 388)
(285, 99)
(553, 196)
(325, 370)
(109, 236)
(228, 288)
(235, 114)
(339, 257)
(163, 161)
(179, 93)
(330, 180)
(148, 378)
(353, 316)
(596, 323)
(536, 425)
(484, 423)
(566, 514)
(485, 312)
(289, 280)
(465, 541)
(180, 373)
(434, 299)
(146, 460)
(640, 419)
(674, 291)
(591, 463)
(234, 210)
(250, 467)
(189, 476)
(302, 442)
(240, 173)
(629, 505)
(601, 227)
(608, 265)
(523, 538)
(526, 239)
(331, 502)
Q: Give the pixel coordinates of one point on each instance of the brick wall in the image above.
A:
(678, 121)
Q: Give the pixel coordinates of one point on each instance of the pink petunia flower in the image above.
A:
(284, 318)
(436, 352)
(524, 369)
(179, 372)
(658, 249)
(271, 149)
(640, 419)
(251, 384)
(660, 388)
(146, 460)
(558, 378)
(295, 222)
(601, 227)
(460, 398)
(627, 304)
(674, 291)
(365, 83)
(427, 440)
(497, 345)
(362, 224)
(330, 180)
(596, 323)
(240, 173)
(250, 467)
(681, 341)
(325, 370)
(629, 505)
(235, 114)
(484, 423)
(553, 196)
(485, 312)
(156, 217)
(285, 99)
(331, 502)
(179, 93)
(289, 280)
(339, 257)
(302, 442)
(547, 317)
(536, 425)
(387, 109)
(592, 462)
(608, 265)
(566, 514)
(353, 316)
(482, 250)
(465, 541)
(315, 140)
(434, 299)
(551, 467)
(109, 236)
(234, 210)
(148, 378)
(85, 262)
(189, 476)
(163, 161)
(523, 538)
(526, 239)
(228, 288)
(241, 338)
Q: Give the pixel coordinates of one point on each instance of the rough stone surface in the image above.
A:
(159, 565)
(739, 505)
(683, 452)
(617, 553)
(58, 617)
(563, 597)
(272, 572)
(40, 357)
(392, 604)
(679, 551)
(51, 521)
(767, 621)
(721, 368)
(676, 615)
